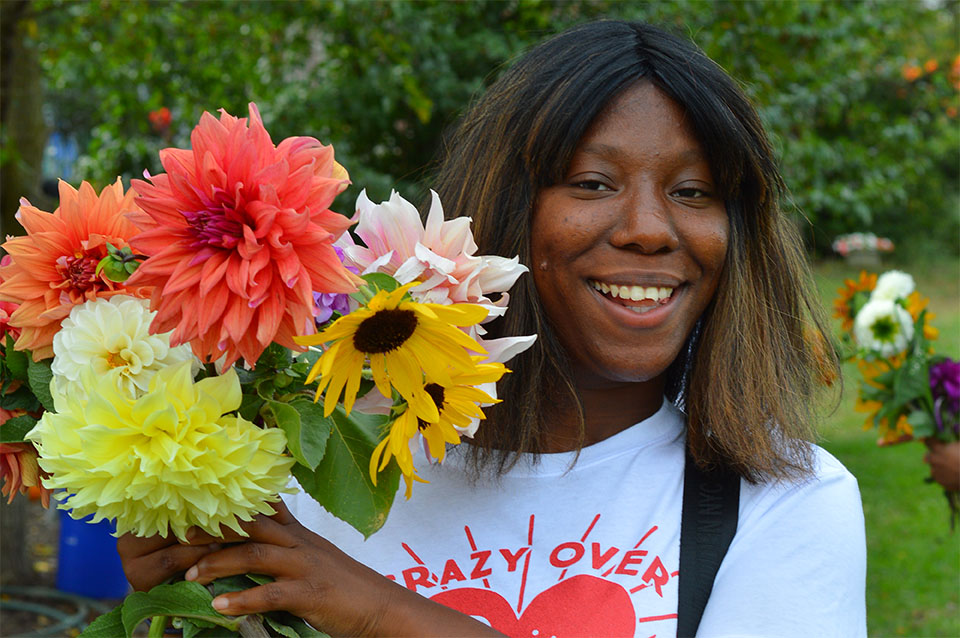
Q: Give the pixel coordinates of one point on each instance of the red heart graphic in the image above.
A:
(583, 605)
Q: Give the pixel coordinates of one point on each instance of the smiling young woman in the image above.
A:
(675, 322)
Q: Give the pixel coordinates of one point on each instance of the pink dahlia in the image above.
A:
(53, 267)
(239, 236)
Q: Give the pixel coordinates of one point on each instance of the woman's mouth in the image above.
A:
(639, 299)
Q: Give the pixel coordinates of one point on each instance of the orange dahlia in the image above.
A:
(53, 267)
(238, 236)
(843, 306)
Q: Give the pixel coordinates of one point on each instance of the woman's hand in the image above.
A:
(316, 581)
(148, 562)
(944, 460)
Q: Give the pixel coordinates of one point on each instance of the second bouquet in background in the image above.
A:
(198, 340)
(907, 390)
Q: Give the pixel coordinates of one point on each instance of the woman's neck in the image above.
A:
(607, 410)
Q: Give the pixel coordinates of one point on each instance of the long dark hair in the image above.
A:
(750, 372)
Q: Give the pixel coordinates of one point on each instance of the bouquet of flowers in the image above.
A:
(907, 391)
(174, 354)
(843, 245)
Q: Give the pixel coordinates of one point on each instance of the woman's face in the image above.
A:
(628, 249)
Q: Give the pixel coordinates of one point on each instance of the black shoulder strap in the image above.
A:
(711, 502)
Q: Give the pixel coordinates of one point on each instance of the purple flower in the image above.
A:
(945, 387)
(325, 304)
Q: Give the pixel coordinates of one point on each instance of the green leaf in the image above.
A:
(290, 626)
(306, 428)
(20, 399)
(312, 432)
(274, 357)
(922, 424)
(108, 625)
(341, 482)
(16, 428)
(911, 381)
(184, 598)
(381, 281)
(39, 376)
(15, 360)
(250, 406)
(376, 281)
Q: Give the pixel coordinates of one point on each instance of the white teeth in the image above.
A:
(633, 293)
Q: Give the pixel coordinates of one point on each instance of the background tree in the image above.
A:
(861, 97)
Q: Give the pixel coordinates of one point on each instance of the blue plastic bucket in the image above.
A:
(88, 563)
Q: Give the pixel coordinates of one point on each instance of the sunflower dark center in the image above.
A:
(436, 393)
(384, 330)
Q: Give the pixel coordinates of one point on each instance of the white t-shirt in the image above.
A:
(594, 549)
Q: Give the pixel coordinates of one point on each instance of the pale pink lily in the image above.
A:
(440, 254)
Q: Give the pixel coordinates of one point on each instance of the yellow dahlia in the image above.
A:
(458, 405)
(169, 460)
(402, 340)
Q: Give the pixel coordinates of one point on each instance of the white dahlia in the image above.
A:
(168, 460)
(112, 334)
(893, 285)
(884, 326)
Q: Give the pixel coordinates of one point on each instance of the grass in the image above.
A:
(913, 559)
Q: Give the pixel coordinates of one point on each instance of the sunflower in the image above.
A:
(458, 405)
(847, 303)
(402, 340)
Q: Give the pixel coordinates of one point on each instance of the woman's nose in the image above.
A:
(645, 223)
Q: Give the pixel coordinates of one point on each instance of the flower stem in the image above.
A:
(157, 626)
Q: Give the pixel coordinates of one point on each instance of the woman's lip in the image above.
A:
(650, 318)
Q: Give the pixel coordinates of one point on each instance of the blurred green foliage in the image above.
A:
(860, 97)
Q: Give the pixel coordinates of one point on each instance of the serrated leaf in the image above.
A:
(16, 428)
(108, 625)
(39, 377)
(184, 598)
(341, 481)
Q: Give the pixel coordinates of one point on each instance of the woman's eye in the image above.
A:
(592, 185)
(691, 193)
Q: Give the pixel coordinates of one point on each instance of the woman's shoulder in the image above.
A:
(797, 564)
(829, 489)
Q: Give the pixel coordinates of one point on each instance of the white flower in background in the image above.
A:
(884, 326)
(893, 285)
(109, 334)
(439, 254)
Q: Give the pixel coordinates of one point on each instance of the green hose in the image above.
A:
(65, 620)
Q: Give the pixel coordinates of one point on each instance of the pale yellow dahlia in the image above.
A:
(113, 334)
(167, 461)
